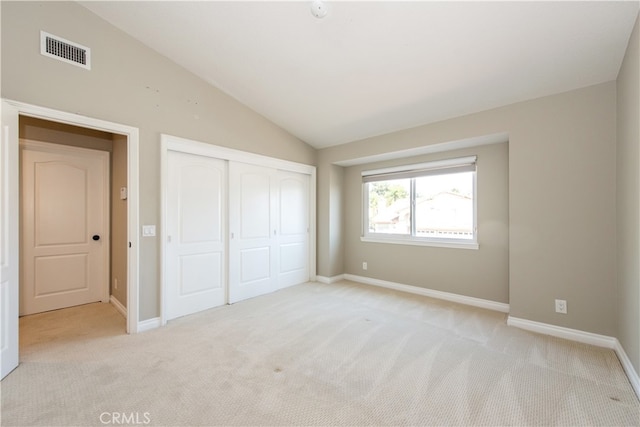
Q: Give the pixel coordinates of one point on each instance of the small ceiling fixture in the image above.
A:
(319, 9)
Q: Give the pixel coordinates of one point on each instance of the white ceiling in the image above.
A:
(370, 68)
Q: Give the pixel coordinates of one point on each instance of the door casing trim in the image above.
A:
(133, 214)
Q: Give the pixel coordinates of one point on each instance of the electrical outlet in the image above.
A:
(115, 283)
(561, 306)
(364, 265)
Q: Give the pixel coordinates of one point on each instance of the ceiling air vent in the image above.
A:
(64, 50)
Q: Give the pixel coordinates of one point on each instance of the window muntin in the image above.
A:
(431, 202)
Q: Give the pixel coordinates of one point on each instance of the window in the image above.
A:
(429, 203)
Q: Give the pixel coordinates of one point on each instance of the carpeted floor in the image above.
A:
(313, 354)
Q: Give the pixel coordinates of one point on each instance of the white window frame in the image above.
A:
(415, 171)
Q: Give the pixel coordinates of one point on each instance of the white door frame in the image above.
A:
(23, 109)
(9, 238)
(174, 143)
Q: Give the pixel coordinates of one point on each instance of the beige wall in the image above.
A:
(561, 202)
(482, 273)
(58, 133)
(119, 217)
(329, 207)
(628, 207)
(132, 85)
(337, 220)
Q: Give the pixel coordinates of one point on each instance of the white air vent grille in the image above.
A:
(64, 50)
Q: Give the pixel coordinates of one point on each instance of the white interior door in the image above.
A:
(252, 223)
(196, 206)
(9, 263)
(293, 228)
(65, 244)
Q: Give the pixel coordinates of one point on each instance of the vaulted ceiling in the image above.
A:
(370, 68)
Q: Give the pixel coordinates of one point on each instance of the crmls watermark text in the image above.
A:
(125, 418)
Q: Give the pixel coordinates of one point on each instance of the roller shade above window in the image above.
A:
(439, 167)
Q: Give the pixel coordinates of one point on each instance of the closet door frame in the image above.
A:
(174, 143)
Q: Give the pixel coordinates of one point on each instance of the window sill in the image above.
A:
(415, 242)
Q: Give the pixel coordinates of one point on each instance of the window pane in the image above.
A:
(389, 208)
(444, 206)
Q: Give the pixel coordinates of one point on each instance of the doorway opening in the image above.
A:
(12, 111)
(73, 228)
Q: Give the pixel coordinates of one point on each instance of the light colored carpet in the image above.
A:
(313, 354)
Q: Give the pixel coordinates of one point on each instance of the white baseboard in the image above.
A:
(118, 305)
(562, 332)
(146, 325)
(633, 376)
(329, 280)
(447, 296)
(583, 337)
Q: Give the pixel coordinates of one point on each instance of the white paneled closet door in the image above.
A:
(292, 239)
(269, 230)
(196, 216)
(252, 225)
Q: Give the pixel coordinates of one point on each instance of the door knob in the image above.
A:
(96, 237)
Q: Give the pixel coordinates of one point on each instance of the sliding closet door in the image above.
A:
(269, 230)
(196, 214)
(252, 226)
(235, 225)
(293, 236)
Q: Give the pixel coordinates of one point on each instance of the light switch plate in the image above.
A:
(148, 230)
